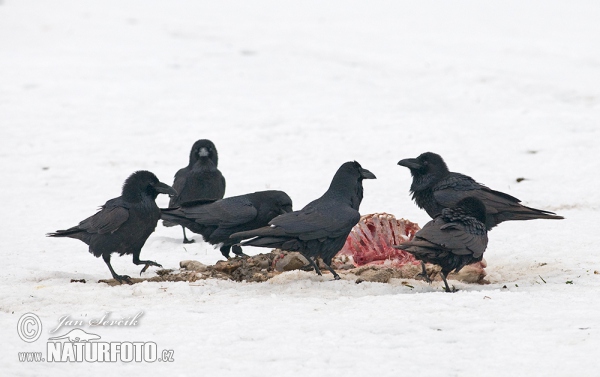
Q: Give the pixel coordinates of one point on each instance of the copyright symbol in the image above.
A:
(29, 327)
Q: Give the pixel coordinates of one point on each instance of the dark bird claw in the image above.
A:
(424, 276)
(237, 250)
(148, 264)
(123, 278)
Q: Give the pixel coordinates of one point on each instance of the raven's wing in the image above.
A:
(463, 242)
(224, 213)
(457, 186)
(452, 237)
(112, 215)
(222, 186)
(178, 185)
(316, 223)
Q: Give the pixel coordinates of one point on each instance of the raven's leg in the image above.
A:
(119, 278)
(335, 275)
(185, 239)
(148, 263)
(314, 265)
(237, 250)
(447, 286)
(423, 274)
(225, 251)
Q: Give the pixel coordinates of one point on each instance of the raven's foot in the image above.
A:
(314, 266)
(185, 239)
(424, 276)
(237, 250)
(423, 273)
(335, 275)
(148, 264)
(447, 287)
(122, 278)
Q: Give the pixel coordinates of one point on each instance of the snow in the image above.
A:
(288, 91)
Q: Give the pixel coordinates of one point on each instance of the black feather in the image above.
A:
(124, 223)
(434, 188)
(200, 181)
(319, 229)
(217, 221)
(455, 238)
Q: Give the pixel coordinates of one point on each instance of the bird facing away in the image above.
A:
(217, 221)
(454, 239)
(320, 229)
(124, 223)
(200, 181)
(434, 188)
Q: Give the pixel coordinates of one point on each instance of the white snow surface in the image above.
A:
(92, 91)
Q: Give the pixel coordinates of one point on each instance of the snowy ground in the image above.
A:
(288, 91)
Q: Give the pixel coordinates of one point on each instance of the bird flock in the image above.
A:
(462, 212)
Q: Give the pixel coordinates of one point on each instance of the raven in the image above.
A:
(455, 238)
(434, 188)
(200, 180)
(124, 223)
(218, 220)
(320, 229)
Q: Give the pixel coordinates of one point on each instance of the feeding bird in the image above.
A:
(124, 223)
(217, 221)
(455, 238)
(320, 228)
(434, 188)
(200, 181)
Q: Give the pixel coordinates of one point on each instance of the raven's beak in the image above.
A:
(411, 163)
(365, 174)
(203, 152)
(163, 188)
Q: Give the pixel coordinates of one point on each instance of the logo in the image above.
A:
(29, 327)
(78, 345)
(77, 335)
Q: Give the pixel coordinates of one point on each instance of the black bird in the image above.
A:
(217, 221)
(124, 223)
(200, 181)
(454, 239)
(434, 188)
(320, 229)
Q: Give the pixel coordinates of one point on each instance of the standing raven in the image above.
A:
(124, 223)
(200, 181)
(218, 220)
(320, 229)
(455, 238)
(434, 188)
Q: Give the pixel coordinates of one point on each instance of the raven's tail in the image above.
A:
(520, 213)
(74, 232)
(71, 232)
(172, 217)
(168, 224)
